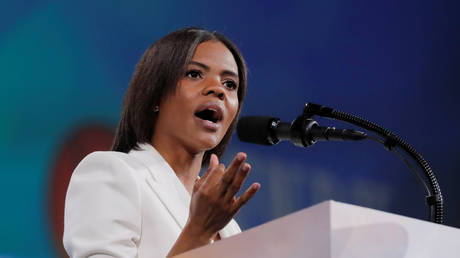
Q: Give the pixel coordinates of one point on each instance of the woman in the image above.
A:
(144, 198)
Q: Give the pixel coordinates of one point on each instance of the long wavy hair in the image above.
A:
(156, 76)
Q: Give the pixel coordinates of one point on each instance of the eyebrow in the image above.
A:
(224, 72)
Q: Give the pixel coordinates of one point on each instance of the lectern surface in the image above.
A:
(334, 229)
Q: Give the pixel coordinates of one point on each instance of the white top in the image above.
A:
(126, 205)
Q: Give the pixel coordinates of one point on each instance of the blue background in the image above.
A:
(397, 63)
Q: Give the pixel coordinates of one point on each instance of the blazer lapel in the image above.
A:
(169, 189)
(164, 183)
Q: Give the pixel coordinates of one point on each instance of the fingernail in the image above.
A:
(245, 168)
(240, 157)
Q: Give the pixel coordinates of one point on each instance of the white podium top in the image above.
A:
(334, 229)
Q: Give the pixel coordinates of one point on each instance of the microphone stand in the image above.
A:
(391, 141)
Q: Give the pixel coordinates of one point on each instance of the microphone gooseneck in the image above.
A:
(304, 132)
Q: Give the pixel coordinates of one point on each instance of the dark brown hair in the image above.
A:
(156, 76)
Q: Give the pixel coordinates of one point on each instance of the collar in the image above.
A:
(164, 182)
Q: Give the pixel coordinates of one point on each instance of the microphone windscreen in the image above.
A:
(255, 129)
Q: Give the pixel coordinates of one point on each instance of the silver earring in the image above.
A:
(156, 109)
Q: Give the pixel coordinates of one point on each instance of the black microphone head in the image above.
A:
(257, 129)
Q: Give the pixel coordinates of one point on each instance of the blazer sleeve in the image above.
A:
(103, 208)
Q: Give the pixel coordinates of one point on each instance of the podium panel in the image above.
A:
(334, 229)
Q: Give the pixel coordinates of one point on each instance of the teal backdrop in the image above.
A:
(64, 68)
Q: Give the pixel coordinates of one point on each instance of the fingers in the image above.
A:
(237, 182)
(227, 183)
(213, 201)
(252, 190)
(233, 169)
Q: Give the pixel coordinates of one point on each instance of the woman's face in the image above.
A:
(198, 114)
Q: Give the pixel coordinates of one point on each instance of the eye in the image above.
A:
(231, 84)
(194, 74)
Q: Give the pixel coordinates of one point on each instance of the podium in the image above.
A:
(333, 229)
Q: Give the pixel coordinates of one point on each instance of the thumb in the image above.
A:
(213, 162)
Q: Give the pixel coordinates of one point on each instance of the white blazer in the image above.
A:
(126, 205)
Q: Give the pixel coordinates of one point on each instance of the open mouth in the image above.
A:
(209, 114)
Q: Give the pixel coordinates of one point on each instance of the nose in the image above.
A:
(216, 89)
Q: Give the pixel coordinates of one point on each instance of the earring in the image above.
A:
(156, 109)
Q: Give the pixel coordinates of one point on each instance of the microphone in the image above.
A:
(302, 132)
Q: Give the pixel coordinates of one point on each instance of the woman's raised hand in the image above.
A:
(214, 201)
